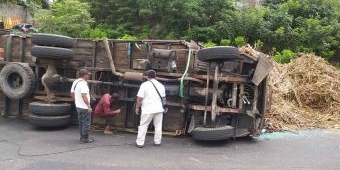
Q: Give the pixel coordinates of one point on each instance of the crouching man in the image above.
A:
(105, 109)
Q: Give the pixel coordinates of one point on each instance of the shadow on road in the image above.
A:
(44, 129)
(222, 143)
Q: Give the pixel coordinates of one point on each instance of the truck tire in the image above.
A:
(49, 121)
(222, 53)
(52, 40)
(51, 52)
(47, 109)
(17, 80)
(218, 133)
(34, 80)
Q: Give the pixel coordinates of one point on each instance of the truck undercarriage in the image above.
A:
(213, 93)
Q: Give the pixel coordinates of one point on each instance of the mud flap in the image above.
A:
(191, 124)
(263, 67)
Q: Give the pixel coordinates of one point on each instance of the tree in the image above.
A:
(67, 17)
(273, 4)
(305, 26)
(296, 25)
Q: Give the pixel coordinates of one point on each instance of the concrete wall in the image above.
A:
(15, 10)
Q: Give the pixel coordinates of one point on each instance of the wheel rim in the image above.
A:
(15, 81)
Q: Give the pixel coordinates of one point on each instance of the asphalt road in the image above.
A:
(25, 147)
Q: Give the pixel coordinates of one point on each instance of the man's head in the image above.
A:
(84, 73)
(151, 74)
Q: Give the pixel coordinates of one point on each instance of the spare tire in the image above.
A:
(49, 121)
(50, 109)
(218, 133)
(216, 54)
(17, 80)
(52, 40)
(51, 52)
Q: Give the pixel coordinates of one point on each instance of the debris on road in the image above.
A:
(306, 94)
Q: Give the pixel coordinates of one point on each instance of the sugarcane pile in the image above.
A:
(305, 94)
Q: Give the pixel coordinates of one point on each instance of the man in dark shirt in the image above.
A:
(105, 108)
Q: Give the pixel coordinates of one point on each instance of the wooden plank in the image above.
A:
(83, 44)
(121, 47)
(140, 55)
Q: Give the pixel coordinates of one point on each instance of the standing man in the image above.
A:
(81, 94)
(152, 108)
(105, 108)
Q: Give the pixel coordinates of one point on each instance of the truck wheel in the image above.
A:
(51, 52)
(218, 133)
(49, 121)
(34, 81)
(17, 80)
(52, 40)
(223, 53)
(47, 109)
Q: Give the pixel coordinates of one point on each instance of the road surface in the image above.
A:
(25, 147)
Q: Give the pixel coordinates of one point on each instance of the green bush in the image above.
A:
(209, 44)
(327, 53)
(285, 56)
(258, 44)
(94, 33)
(128, 37)
(240, 41)
(225, 42)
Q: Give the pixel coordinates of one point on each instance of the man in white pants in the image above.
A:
(152, 108)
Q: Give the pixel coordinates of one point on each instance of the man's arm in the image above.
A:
(138, 104)
(140, 96)
(86, 101)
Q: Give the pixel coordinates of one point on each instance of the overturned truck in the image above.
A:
(213, 93)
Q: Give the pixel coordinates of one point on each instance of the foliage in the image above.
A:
(128, 37)
(240, 41)
(225, 42)
(295, 25)
(209, 44)
(258, 44)
(285, 56)
(101, 31)
(67, 17)
(273, 3)
(94, 33)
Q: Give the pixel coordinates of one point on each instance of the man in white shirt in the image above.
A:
(81, 94)
(152, 108)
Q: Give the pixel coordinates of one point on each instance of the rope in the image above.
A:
(185, 74)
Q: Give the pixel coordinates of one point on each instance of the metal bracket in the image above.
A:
(214, 108)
